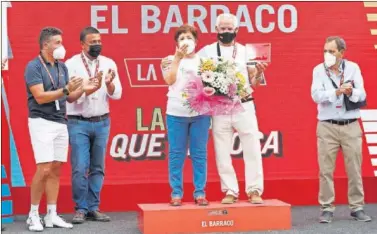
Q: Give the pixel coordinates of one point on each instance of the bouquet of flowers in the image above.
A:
(216, 89)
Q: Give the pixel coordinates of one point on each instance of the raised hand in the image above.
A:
(181, 52)
(260, 68)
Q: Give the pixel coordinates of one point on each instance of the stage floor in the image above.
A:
(304, 220)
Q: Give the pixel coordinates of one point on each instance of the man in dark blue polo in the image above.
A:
(48, 86)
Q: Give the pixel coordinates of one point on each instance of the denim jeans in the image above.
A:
(184, 131)
(88, 142)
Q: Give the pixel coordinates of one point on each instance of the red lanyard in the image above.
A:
(234, 50)
(49, 74)
(87, 67)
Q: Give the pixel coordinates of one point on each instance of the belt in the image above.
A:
(90, 119)
(340, 122)
(247, 99)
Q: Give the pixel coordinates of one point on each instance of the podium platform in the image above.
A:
(217, 217)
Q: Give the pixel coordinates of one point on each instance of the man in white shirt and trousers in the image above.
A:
(334, 81)
(245, 123)
(89, 123)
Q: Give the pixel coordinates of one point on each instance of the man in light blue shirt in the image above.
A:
(333, 81)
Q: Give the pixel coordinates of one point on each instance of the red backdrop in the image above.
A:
(285, 110)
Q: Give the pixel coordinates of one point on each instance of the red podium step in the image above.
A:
(238, 217)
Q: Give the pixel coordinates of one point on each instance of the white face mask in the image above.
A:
(330, 59)
(59, 53)
(190, 45)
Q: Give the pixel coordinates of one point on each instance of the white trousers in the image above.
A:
(246, 125)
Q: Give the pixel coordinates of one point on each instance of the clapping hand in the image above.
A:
(74, 83)
(94, 83)
(109, 76)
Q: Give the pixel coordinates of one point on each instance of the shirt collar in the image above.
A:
(90, 62)
(340, 68)
(45, 61)
(341, 65)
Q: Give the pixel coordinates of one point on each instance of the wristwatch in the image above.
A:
(65, 91)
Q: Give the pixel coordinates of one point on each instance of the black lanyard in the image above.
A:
(234, 50)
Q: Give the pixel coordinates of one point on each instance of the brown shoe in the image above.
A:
(201, 201)
(79, 218)
(97, 216)
(229, 199)
(254, 198)
(175, 202)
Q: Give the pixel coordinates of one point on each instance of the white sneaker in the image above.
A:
(54, 220)
(35, 223)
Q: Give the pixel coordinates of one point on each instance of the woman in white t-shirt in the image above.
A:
(186, 130)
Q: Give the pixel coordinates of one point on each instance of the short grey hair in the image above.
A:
(47, 33)
(340, 43)
(227, 16)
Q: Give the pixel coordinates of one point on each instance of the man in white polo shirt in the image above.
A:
(89, 123)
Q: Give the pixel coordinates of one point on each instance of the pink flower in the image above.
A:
(208, 91)
(232, 90)
(192, 84)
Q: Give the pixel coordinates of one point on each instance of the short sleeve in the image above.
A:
(33, 74)
(66, 73)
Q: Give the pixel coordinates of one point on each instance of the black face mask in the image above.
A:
(95, 50)
(226, 37)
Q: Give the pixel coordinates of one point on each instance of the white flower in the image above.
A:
(208, 76)
(224, 89)
(220, 76)
(216, 84)
(230, 71)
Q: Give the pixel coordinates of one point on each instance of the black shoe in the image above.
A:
(326, 217)
(361, 216)
(97, 216)
(79, 218)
